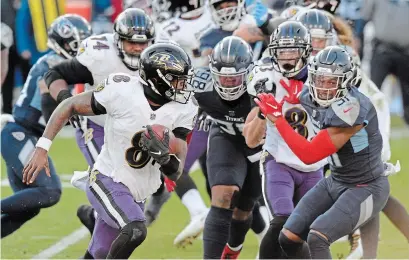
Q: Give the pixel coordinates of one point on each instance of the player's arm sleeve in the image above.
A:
(71, 71)
(24, 25)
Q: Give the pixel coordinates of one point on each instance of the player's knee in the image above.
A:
(225, 196)
(135, 232)
(278, 222)
(317, 239)
(288, 243)
(244, 208)
(51, 196)
(130, 237)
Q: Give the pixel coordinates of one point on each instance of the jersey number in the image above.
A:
(135, 156)
(297, 118)
(203, 77)
(230, 128)
(100, 45)
(171, 28)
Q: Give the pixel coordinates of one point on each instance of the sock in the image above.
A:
(258, 225)
(88, 255)
(270, 247)
(216, 232)
(398, 215)
(193, 202)
(292, 249)
(238, 231)
(370, 237)
(319, 246)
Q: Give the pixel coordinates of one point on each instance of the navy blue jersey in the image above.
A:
(27, 110)
(359, 160)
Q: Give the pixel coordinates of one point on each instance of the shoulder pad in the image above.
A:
(53, 59)
(95, 47)
(202, 80)
(349, 111)
(260, 80)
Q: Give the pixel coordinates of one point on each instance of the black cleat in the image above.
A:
(86, 215)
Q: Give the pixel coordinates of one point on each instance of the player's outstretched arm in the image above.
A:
(78, 105)
(254, 128)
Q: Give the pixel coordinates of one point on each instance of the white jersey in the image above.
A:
(295, 114)
(378, 99)
(128, 112)
(187, 33)
(100, 55)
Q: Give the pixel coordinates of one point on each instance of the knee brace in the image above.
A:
(278, 222)
(293, 249)
(130, 237)
(319, 246)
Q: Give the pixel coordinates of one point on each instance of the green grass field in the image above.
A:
(57, 222)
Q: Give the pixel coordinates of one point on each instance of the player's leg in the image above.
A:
(398, 215)
(401, 72)
(227, 169)
(155, 203)
(101, 240)
(116, 207)
(90, 138)
(243, 213)
(295, 231)
(203, 166)
(278, 190)
(27, 200)
(187, 191)
(354, 206)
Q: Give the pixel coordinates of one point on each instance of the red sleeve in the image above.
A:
(320, 147)
(117, 5)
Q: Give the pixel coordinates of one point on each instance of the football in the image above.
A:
(174, 143)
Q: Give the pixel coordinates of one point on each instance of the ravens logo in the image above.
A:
(167, 61)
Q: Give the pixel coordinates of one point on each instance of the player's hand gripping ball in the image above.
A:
(159, 141)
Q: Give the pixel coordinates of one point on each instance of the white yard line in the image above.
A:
(64, 243)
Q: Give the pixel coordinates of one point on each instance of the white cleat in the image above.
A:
(192, 231)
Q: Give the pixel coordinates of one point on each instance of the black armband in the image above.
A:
(63, 95)
(71, 71)
(48, 105)
(260, 115)
(171, 169)
(181, 133)
(96, 107)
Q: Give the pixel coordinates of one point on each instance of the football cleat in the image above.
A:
(229, 253)
(355, 243)
(154, 206)
(86, 215)
(192, 231)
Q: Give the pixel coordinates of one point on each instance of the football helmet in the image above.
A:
(290, 48)
(227, 18)
(167, 70)
(230, 64)
(66, 33)
(330, 75)
(356, 60)
(132, 25)
(320, 28)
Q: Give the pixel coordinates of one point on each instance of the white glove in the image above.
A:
(391, 169)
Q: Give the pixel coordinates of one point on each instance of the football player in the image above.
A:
(19, 136)
(393, 209)
(187, 27)
(97, 57)
(348, 135)
(286, 179)
(129, 167)
(233, 171)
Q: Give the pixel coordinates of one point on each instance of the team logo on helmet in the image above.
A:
(168, 61)
(65, 29)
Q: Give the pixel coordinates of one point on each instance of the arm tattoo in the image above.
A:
(77, 105)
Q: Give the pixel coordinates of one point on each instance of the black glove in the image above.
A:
(157, 149)
(204, 122)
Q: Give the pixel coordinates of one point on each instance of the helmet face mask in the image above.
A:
(227, 14)
(290, 47)
(330, 74)
(133, 32)
(230, 64)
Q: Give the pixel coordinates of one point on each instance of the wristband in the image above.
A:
(44, 143)
(260, 115)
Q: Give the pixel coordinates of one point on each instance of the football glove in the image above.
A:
(269, 105)
(157, 149)
(294, 90)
